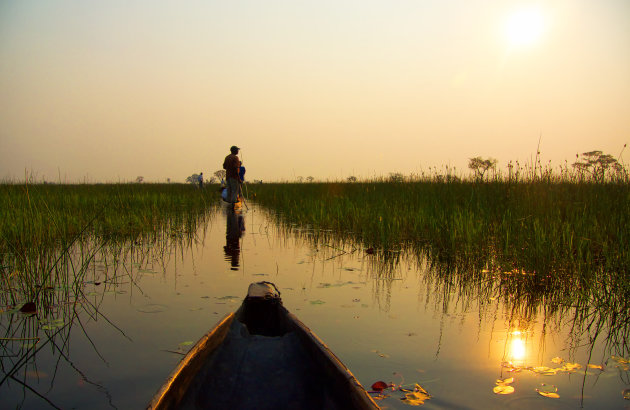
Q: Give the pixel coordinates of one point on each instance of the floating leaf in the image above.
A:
(548, 394)
(572, 366)
(227, 297)
(596, 366)
(9, 311)
(379, 386)
(416, 398)
(186, 343)
(317, 302)
(28, 308)
(152, 308)
(544, 370)
(550, 391)
(626, 394)
(505, 382)
(52, 324)
(557, 360)
(503, 389)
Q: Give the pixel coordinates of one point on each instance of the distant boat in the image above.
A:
(261, 357)
(225, 202)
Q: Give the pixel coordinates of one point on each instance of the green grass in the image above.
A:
(49, 233)
(556, 250)
(536, 226)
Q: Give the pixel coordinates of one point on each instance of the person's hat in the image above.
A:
(234, 148)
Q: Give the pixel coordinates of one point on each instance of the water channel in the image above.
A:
(145, 305)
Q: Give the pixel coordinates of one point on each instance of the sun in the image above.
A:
(524, 26)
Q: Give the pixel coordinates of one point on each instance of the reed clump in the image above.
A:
(50, 232)
(536, 226)
(553, 246)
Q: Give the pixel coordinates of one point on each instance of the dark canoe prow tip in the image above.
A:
(263, 342)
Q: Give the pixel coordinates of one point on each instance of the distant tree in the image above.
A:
(310, 179)
(352, 179)
(193, 179)
(396, 177)
(168, 180)
(212, 180)
(139, 179)
(300, 179)
(596, 163)
(480, 166)
(220, 174)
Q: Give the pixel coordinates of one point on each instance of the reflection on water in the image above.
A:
(112, 340)
(235, 228)
(516, 351)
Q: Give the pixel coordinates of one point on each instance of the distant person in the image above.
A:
(241, 172)
(200, 180)
(241, 178)
(231, 166)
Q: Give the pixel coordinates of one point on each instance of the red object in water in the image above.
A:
(380, 386)
(29, 308)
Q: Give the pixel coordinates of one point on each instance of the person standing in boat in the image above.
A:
(231, 166)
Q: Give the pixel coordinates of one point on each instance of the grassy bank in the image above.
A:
(538, 227)
(40, 224)
(559, 251)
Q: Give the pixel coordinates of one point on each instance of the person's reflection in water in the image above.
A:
(234, 231)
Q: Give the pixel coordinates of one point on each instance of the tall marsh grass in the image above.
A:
(536, 226)
(554, 247)
(42, 224)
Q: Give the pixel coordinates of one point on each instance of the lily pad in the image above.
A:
(626, 394)
(415, 398)
(503, 389)
(152, 308)
(379, 386)
(549, 391)
(51, 324)
(10, 310)
(317, 302)
(28, 308)
(227, 298)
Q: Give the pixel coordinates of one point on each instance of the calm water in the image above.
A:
(146, 306)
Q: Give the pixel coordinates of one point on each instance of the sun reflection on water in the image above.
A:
(517, 350)
(516, 347)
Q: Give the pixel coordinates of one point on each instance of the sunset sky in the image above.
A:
(105, 91)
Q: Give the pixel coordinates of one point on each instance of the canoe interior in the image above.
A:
(258, 358)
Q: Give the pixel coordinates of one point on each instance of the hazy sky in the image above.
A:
(110, 90)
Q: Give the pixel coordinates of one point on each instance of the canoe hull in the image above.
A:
(232, 368)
